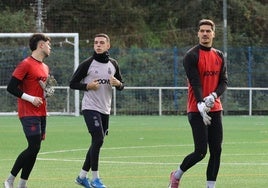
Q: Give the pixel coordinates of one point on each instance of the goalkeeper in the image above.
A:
(207, 80)
(25, 85)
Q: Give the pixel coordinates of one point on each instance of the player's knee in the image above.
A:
(97, 142)
(216, 151)
(97, 139)
(34, 150)
(201, 154)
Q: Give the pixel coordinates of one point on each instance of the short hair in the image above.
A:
(103, 35)
(207, 22)
(35, 38)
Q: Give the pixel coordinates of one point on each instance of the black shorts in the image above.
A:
(96, 122)
(33, 125)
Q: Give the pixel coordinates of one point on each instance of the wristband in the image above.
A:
(27, 97)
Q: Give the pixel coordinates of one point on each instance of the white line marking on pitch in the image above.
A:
(143, 147)
(147, 163)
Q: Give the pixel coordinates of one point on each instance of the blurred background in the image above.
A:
(149, 39)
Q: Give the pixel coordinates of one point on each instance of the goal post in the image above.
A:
(18, 47)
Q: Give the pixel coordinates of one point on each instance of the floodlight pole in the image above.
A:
(225, 44)
(225, 28)
(39, 16)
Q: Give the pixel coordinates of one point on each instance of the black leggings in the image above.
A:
(97, 124)
(26, 159)
(204, 136)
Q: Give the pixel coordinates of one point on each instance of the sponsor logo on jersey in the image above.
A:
(211, 73)
(104, 81)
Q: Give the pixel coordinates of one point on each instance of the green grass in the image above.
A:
(140, 151)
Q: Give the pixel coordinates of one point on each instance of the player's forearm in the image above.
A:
(78, 86)
(14, 90)
(12, 87)
(223, 83)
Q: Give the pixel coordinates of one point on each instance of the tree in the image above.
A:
(19, 21)
(150, 24)
(248, 22)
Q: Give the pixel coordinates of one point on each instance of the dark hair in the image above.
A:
(206, 22)
(103, 35)
(35, 38)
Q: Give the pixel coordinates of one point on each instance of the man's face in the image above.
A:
(101, 45)
(46, 47)
(206, 35)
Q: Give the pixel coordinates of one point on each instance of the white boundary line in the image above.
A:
(150, 163)
(143, 147)
(144, 163)
(158, 156)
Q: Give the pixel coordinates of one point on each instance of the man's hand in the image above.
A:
(48, 86)
(93, 85)
(36, 101)
(203, 109)
(210, 100)
(49, 91)
(43, 136)
(114, 81)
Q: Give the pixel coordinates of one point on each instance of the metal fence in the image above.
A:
(154, 78)
(149, 101)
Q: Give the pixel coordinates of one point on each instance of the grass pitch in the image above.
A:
(140, 151)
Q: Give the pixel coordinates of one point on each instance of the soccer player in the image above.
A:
(96, 76)
(25, 84)
(207, 80)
